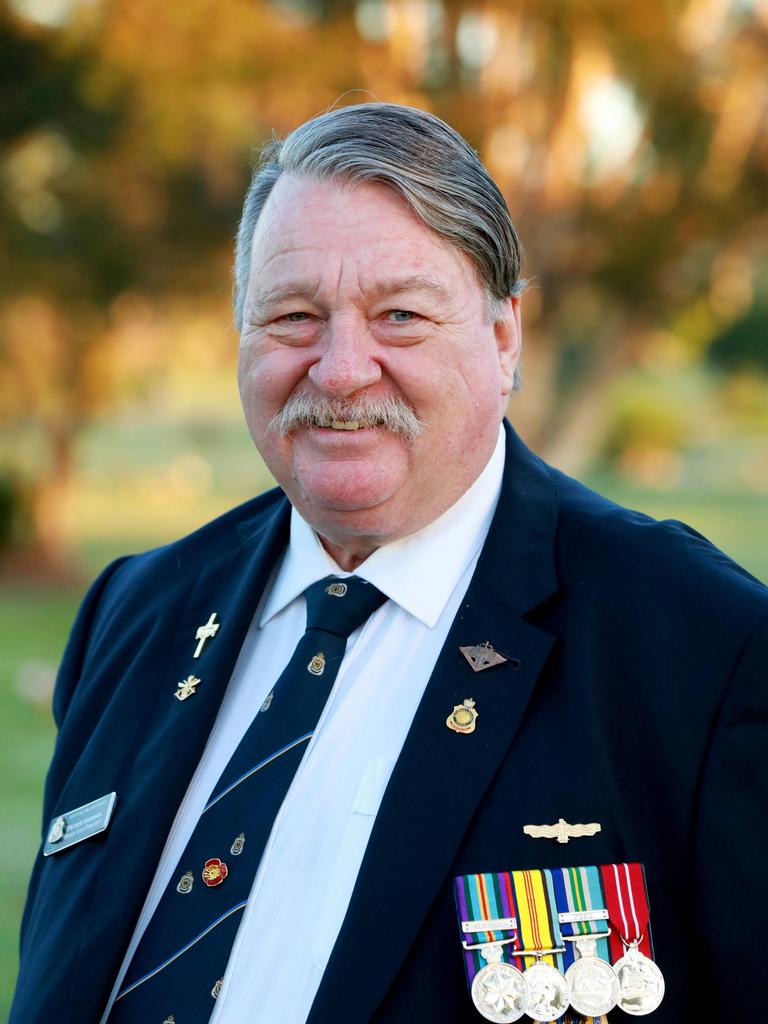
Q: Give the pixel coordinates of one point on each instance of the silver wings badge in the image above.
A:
(562, 831)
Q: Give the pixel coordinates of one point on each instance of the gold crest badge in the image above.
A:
(463, 717)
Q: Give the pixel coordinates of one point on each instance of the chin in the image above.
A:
(350, 486)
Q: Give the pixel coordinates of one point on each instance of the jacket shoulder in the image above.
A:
(220, 536)
(127, 590)
(629, 557)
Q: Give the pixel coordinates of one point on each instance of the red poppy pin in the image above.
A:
(214, 872)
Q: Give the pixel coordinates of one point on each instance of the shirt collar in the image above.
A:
(418, 572)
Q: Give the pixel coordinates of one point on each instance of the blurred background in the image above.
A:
(629, 138)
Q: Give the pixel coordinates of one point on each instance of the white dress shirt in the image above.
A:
(310, 865)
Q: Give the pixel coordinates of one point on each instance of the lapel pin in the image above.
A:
(186, 687)
(237, 846)
(562, 831)
(205, 632)
(463, 717)
(217, 988)
(482, 656)
(267, 702)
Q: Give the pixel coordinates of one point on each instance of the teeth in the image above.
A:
(345, 424)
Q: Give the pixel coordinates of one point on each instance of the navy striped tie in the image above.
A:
(175, 973)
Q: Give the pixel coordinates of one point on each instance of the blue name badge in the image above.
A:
(83, 822)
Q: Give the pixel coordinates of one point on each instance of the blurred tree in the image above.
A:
(629, 140)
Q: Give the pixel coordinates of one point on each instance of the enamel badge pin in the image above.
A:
(463, 717)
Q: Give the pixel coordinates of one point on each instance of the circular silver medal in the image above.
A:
(641, 983)
(593, 985)
(548, 994)
(500, 993)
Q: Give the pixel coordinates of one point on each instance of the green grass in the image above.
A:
(34, 626)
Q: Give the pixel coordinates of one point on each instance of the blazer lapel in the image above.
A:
(441, 776)
(155, 774)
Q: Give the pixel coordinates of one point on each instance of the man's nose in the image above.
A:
(347, 363)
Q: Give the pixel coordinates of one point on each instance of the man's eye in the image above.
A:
(400, 316)
(295, 318)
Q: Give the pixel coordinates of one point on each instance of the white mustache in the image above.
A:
(393, 414)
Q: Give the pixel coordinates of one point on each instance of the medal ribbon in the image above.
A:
(577, 890)
(626, 899)
(485, 897)
(538, 927)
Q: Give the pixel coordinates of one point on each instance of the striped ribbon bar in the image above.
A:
(576, 1018)
(539, 927)
(579, 898)
(484, 898)
(626, 899)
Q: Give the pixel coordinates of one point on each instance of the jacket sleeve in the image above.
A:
(77, 644)
(67, 679)
(730, 888)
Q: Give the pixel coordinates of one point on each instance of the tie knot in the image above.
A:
(341, 605)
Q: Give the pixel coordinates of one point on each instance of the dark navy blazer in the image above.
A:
(635, 695)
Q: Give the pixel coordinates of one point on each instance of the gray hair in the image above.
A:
(424, 160)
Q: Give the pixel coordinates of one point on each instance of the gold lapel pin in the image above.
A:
(562, 831)
(205, 632)
(186, 687)
(463, 717)
(482, 656)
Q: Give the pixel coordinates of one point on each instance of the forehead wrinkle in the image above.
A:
(409, 283)
(280, 292)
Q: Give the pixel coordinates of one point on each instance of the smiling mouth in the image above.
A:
(328, 424)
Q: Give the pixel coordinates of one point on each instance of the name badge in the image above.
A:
(83, 822)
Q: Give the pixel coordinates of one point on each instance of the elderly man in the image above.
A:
(425, 686)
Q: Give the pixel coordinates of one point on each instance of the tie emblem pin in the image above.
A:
(185, 883)
(317, 664)
(214, 872)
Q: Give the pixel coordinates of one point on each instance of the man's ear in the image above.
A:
(508, 333)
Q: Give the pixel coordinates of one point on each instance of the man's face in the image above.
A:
(352, 297)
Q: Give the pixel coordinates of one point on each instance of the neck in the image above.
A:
(349, 555)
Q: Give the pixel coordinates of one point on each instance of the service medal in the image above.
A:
(499, 990)
(641, 983)
(548, 994)
(594, 986)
